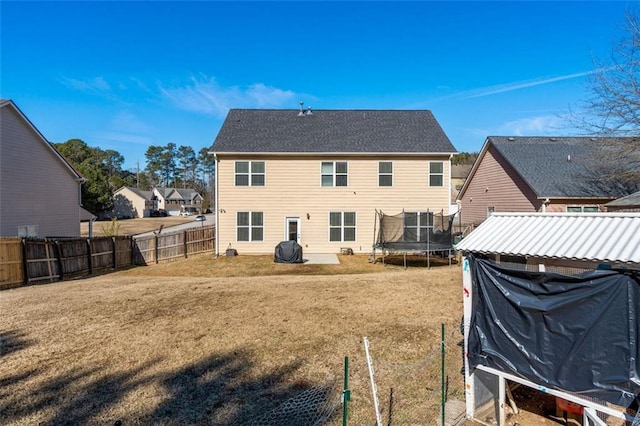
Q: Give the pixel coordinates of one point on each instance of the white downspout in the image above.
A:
(448, 185)
(217, 209)
(80, 182)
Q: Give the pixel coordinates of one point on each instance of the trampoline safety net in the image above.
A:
(424, 231)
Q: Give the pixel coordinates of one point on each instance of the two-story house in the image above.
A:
(40, 192)
(318, 177)
(178, 200)
(130, 202)
(537, 174)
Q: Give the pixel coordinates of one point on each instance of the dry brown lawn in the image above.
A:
(224, 341)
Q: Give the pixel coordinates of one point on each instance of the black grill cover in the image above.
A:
(288, 252)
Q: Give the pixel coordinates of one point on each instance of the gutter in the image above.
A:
(335, 154)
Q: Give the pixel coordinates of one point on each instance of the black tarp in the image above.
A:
(288, 252)
(573, 333)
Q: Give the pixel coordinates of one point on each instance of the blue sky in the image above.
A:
(126, 75)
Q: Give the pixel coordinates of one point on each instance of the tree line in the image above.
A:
(167, 166)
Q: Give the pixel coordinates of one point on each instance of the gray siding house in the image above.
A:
(39, 189)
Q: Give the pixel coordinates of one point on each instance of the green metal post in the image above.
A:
(346, 393)
(442, 377)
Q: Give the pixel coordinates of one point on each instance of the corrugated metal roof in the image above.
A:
(605, 237)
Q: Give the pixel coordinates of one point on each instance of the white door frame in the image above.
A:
(298, 222)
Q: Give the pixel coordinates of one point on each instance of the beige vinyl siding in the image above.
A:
(36, 187)
(127, 203)
(293, 189)
(496, 184)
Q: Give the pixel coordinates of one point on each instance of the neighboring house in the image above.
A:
(130, 202)
(459, 173)
(178, 200)
(630, 203)
(534, 174)
(39, 189)
(318, 177)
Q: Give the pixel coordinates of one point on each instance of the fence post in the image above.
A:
(346, 393)
(155, 247)
(132, 245)
(113, 251)
(185, 243)
(374, 390)
(59, 259)
(24, 262)
(89, 256)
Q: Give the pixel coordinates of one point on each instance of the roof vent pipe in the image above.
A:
(309, 111)
(301, 113)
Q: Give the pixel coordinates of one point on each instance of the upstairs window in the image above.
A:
(334, 173)
(436, 173)
(385, 173)
(250, 173)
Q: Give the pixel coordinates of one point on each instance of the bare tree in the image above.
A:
(614, 104)
(613, 110)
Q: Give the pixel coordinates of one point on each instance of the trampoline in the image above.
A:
(422, 232)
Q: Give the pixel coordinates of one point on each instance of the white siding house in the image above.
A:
(39, 189)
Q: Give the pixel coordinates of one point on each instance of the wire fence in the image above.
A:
(316, 406)
(421, 391)
(428, 390)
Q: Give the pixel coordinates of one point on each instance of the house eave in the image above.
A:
(333, 154)
(570, 197)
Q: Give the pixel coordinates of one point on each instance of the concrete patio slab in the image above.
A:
(320, 259)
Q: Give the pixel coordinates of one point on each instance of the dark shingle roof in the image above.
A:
(184, 193)
(632, 200)
(141, 193)
(331, 131)
(556, 167)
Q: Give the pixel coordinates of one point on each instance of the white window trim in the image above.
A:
(249, 174)
(342, 226)
(431, 173)
(582, 207)
(334, 174)
(250, 226)
(419, 225)
(380, 174)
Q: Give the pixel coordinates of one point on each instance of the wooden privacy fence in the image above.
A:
(28, 261)
(160, 247)
(11, 271)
